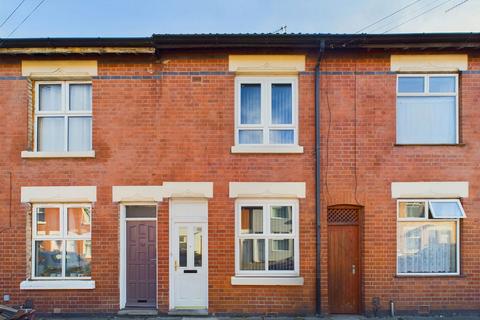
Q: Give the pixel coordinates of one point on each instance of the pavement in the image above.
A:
(335, 317)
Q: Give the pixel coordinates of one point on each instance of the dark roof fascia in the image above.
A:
(75, 42)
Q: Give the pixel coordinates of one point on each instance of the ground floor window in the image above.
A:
(61, 241)
(428, 236)
(267, 237)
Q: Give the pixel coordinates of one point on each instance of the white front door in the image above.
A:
(190, 265)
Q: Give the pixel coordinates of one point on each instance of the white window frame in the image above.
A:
(62, 236)
(64, 112)
(266, 109)
(267, 204)
(426, 93)
(426, 218)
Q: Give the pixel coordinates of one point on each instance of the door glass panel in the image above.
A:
(197, 236)
(182, 246)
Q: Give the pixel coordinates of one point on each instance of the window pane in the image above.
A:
(79, 133)
(411, 84)
(79, 221)
(182, 246)
(252, 254)
(78, 258)
(426, 120)
(427, 247)
(282, 103)
(280, 254)
(281, 136)
(250, 136)
(250, 104)
(48, 258)
(446, 209)
(48, 221)
(252, 220)
(197, 237)
(140, 211)
(281, 219)
(442, 84)
(411, 210)
(50, 97)
(80, 97)
(51, 134)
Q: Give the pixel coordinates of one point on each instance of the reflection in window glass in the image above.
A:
(442, 84)
(281, 136)
(411, 84)
(411, 209)
(182, 246)
(78, 257)
(79, 221)
(250, 136)
(252, 220)
(197, 235)
(48, 221)
(48, 258)
(250, 104)
(280, 254)
(281, 219)
(282, 103)
(252, 254)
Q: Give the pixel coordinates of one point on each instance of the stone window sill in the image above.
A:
(57, 285)
(38, 154)
(429, 145)
(267, 281)
(267, 149)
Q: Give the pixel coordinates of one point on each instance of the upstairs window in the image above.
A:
(63, 116)
(266, 111)
(428, 237)
(427, 109)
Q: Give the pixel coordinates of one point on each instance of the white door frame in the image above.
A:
(123, 248)
(191, 219)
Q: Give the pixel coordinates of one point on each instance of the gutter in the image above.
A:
(318, 208)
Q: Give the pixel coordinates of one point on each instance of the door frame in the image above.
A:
(359, 224)
(171, 222)
(123, 248)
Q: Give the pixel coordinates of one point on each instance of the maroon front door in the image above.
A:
(141, 264)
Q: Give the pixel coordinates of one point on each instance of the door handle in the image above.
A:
(176, 265)
(354, 269)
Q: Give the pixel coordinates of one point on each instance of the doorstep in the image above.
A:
(188, 312)
(137, 312)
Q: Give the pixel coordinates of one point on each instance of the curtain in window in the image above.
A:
(280, 255)
(250, 104)
(281, 136)
(281, 103)
(50, 133)
(426, 120)
(79, 133)
(252, 254)
(80, 97)
(50, 97)
(426, 247)
(250, 136)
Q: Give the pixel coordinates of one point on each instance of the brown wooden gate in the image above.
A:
(344, 259)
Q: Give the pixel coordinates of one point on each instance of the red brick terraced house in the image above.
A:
(241, 174)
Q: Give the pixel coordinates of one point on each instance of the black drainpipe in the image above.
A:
(318, 175)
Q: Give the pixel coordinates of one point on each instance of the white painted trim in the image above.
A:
(57, 285)
(457, 189)
(266, 281)
(188, 189)
(267, 189)
(59, 194)
(428, 62)
(266, 149)
(71, 154)
(59, 67)
(266, 64)
(122, 276)
(137, 193)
